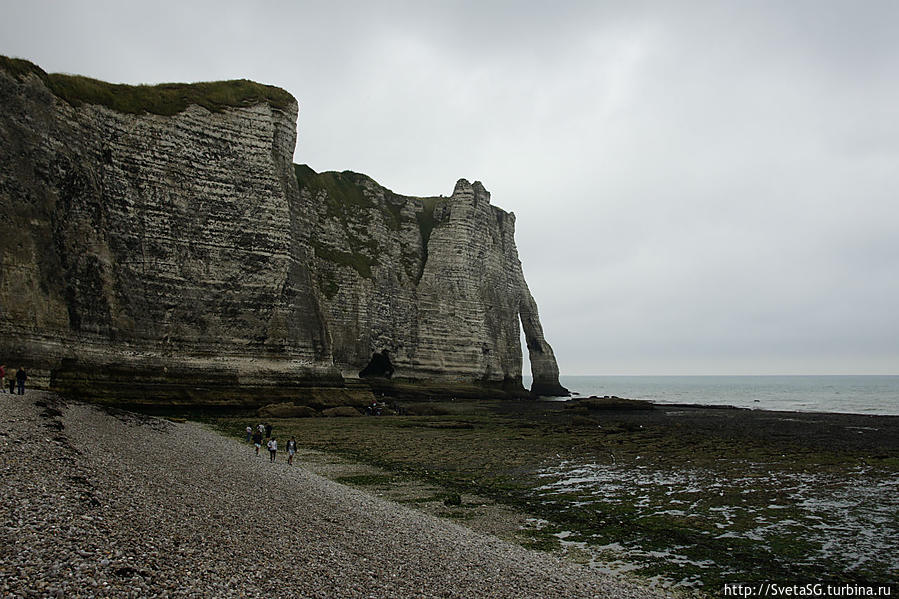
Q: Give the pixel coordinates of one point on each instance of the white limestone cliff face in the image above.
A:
(155, 242)
(468, 293)
(185, 258)
(436, 281)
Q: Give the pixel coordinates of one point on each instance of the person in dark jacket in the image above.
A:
(21, 377)
(257, 440)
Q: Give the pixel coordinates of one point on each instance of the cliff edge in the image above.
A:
(159, 245)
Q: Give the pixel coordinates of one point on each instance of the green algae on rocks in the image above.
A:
(688, 497)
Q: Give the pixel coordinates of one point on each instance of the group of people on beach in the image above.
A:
(8, 378)
(255, 436)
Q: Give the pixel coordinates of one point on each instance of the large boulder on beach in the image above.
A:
(609, 402)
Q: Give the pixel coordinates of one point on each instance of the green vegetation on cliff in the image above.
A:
(426, 226)
(345, 201)
(164, 99)
(426, 219)
(344, 198)
(362, 264)
(343, 191)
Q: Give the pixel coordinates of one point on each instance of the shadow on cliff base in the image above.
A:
(128, 384)
(379, 366)
(548, 389)
(158, 385)
(378, 375)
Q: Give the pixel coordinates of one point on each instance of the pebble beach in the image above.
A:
(103, 503)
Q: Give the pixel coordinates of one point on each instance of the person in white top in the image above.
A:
(291, 449)
(272, 448)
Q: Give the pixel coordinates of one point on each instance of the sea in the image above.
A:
(847, 394)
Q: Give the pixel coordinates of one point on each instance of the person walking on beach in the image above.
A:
(11, 381)
(291, 449)
(21, 378)
(268, 430)
(261, 428)
(272, 449)
(3, 378)
(257, 441)
(249, 434)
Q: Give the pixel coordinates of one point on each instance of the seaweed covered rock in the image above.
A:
(609, 402)
(341, 412)
(287, 410)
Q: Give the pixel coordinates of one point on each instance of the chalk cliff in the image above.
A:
(159, 244)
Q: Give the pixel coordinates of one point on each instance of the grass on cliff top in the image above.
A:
(164, 99)
(343, 190)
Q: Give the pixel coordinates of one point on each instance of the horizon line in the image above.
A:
(730, 375)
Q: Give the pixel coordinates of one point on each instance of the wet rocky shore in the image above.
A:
(104, 503)
(684, 496)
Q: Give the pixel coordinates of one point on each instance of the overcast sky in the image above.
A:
(700, 187)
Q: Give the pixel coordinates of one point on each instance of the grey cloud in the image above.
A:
(701, 187)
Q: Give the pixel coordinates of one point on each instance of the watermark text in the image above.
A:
(812, 589)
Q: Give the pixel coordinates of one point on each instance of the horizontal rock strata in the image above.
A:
(160, 244)
(436, 281)
(172, 252)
